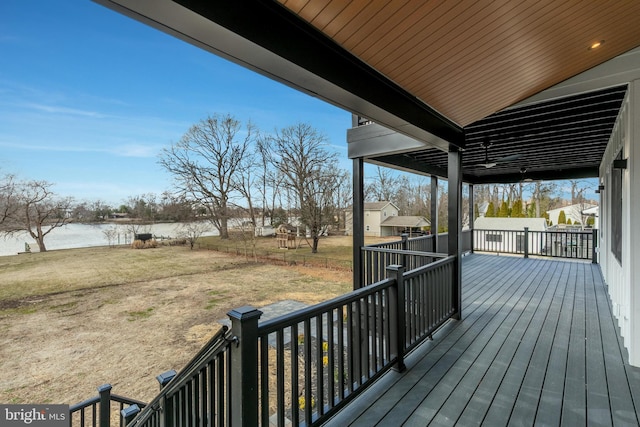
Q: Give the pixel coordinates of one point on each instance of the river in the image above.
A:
(85, 235)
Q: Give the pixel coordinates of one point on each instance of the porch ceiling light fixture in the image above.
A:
(596, 45)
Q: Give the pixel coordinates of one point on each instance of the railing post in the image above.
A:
(129, 413)
(105, 405)
(244, 360)
(405, 247)
(165, 377)
(526, 242)
(594, 244)
(397, 314)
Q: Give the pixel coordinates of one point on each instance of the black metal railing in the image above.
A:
(573, 244)
(198, 395)
(301, 368)
(429, 298)
(410, 253)
(98, 410)
(315, 360)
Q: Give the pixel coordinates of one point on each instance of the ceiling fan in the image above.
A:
(491, 163)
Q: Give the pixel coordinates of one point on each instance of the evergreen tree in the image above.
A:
(491, 211)
(516, 210)
(569, 221)
(476, 211)
(504, 210)
(562, 218)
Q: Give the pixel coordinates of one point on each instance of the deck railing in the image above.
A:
(313, 361)
(97, 411)
(301, 368)
(410, 253)
(574, 244)
(198, 395)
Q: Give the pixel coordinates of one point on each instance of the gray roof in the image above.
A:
(377, 206)
(405, 221)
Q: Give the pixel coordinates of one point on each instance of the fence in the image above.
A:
(301, 368)
(98, 410)
(553, 243)
(198, 395)
(312, 362)
(282, 257)
(410, 253)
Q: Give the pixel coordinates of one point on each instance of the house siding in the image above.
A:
(623, 278)
(374, 217)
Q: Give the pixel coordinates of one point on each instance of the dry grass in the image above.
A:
(72, 320)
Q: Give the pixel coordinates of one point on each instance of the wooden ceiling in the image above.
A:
(440, 74)
(469, 59)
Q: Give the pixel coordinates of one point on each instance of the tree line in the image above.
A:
(224, 169)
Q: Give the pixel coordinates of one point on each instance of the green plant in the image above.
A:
(138, 315)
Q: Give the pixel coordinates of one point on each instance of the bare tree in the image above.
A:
(205, 164)
(7, 198)
(384, 185)
(34, 209)
(191, 231)
(298, 152)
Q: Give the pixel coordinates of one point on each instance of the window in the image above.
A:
(385, 213)
(616, 210)
(497, 238)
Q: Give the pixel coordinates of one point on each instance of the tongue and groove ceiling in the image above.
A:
(442, 72)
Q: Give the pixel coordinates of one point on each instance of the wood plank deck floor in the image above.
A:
(537, 345)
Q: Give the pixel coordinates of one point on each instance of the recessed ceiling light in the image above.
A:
(596, 45)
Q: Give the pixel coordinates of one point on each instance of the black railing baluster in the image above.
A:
(264, 379)
(308, 396)
(280, 403)
(319, 365)
(331, 362)
(342, 366)
(295, 369)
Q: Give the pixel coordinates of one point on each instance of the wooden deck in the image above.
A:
(537, 345)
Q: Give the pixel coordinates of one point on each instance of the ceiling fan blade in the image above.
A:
(486, 165)
(508, 158)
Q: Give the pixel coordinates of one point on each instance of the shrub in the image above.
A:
(139, 244)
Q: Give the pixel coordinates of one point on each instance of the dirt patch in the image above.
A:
(59, 348)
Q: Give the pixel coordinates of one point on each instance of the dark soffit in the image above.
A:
(274, 28)
(558, 139)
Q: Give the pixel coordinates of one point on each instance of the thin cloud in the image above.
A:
(65, 110)
(126, 150)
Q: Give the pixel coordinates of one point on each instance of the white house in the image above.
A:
(577, 213)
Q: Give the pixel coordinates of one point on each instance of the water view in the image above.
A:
(85, 235)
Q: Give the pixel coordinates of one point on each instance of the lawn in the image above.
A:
(71, 320)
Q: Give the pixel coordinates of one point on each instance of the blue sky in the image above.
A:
(89, 97)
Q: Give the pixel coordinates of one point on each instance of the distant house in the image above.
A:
(577, 213)
(382, 219)
(507, 234)
(375, 213)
